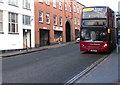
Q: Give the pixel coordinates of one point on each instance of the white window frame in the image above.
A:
(1, 1)
(41, 16)
(61, 21)
(1, 21)
(55, 19)
(26, 4)
(54, 3)
(15, 23)
(26, 20)
(47, 2)
(79, 21)
(13, 2)
(47, 18)
(70, 9)
(40, 1)
(60, 5)
(75, 9)
(78, 11)
(66, 6)
(75, 20)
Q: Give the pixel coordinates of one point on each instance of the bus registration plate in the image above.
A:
(93, 50)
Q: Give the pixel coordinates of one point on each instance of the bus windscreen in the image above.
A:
(94, 13)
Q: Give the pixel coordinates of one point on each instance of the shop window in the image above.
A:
(58, 36)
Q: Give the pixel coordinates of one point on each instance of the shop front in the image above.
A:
(58, 34)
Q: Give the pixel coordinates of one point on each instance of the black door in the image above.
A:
(68, 32)
(44, 37)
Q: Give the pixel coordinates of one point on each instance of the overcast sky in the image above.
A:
(113, 4)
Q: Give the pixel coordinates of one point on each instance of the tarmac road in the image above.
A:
(56, 65)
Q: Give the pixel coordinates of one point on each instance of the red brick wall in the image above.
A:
(66, 15)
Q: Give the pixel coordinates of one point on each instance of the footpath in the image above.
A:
(14, 53)
(108, 71)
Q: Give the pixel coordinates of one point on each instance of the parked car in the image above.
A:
(77, 40)
(118, 34)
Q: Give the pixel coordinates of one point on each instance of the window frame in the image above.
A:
(26, 4)
(41, 16)
(13, 2)
(26, 20)
(1, 21)
(61, 21)
(48, 18)
(11, 23)
(55, 19)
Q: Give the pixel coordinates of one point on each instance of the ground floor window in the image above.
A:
(58, 36)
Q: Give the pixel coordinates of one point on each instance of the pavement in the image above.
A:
(20, 52)
(106, 72)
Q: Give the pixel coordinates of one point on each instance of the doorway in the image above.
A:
(44, 37)
(26, 38)
(68, 32)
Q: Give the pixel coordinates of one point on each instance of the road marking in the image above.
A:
(89, 68)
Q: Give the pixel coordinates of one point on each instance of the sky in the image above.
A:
(113, 4)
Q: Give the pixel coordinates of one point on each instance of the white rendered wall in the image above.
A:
(15, 41)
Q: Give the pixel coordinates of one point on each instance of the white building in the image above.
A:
(16, 24)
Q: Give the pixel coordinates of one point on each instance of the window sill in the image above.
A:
(13, 33)
(1, 2)
(40, 22)
(13, 5)
(1, 32)
(48, 23)
(27, 9)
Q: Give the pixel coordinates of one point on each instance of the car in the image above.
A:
(118, 34)
(77, 40)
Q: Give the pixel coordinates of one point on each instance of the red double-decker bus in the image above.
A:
(97, 32)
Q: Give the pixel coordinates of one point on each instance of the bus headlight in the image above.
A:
(105, 45)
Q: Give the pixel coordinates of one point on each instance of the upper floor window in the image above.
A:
(0, 0)
(1, 21)
(26, 4)
(78, 10)
(13, 23)
(40, 1)
(78, 21)
(13, 2)
(75, 8)
(75, 22)
(60, 5)
(54, 3)
(47, 18)
(70, 9)
(55, 19)
(40, 16)
(61, 21)
(48, 2)
(26, 20)
(65, 6)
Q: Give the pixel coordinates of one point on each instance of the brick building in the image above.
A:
(56, 21)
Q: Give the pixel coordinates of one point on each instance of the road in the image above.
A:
(56, 65)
